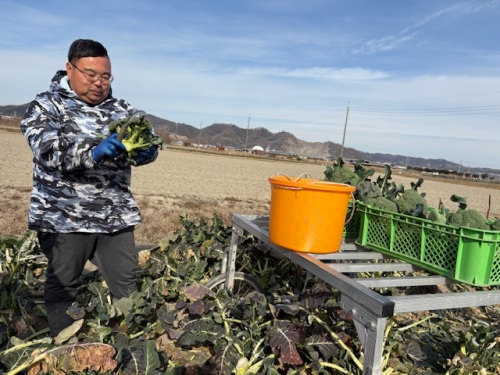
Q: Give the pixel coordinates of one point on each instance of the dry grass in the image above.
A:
(199, 185)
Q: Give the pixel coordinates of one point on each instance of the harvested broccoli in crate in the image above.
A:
(382, 193)
(466, 217)
(383, 203)
(411, 202)
(338, 173)
(439, 214)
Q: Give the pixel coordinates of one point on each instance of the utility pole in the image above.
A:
(246, 140)
(345, 128)
(199, 136)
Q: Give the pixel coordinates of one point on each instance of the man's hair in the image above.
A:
(85, 48)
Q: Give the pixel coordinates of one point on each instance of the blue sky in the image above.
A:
(421, 78)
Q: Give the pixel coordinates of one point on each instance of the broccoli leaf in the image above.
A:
(462, 201)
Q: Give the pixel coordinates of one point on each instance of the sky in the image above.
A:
(414, 78)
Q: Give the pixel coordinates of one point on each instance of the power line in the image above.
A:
(447, 111)
(387, 112)
(303, 119)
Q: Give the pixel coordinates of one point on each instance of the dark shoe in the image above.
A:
(57, 317)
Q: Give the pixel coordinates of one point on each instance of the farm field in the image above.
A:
(200, 184)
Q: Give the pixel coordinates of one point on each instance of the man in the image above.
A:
(81, 204)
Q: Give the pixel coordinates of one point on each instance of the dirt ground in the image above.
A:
(201, 184)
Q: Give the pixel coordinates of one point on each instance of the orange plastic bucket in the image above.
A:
(308, 215)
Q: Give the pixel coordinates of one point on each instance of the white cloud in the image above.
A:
(317, 73)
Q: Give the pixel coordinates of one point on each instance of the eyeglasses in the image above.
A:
(92, 76)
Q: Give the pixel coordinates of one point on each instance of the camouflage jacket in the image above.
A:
(72, 193)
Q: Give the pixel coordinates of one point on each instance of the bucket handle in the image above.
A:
(336, 183)
(290, 188)
(303, 175)
(352, 211)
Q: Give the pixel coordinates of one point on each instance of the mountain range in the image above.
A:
(232, 136)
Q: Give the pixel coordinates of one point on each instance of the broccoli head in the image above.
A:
(412, 203)
(468, 218)
(337, 172)
(345, 176)
(136, 133)
(382, 203)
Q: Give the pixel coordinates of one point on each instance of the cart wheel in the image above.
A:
(243, 284)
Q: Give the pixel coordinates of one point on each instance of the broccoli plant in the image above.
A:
(136, 133)
(383, 203)
(466, 217)
(439, 214)
(463, 217)
(364, 174)
(380, 194)
(337, 172)
(388, 188)
(367, 190)
(411, 202)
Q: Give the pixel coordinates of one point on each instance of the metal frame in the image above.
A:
(368, 308)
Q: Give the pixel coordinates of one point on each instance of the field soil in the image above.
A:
(200, 184)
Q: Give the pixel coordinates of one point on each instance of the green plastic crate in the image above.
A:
(353, 224)
(465, 254)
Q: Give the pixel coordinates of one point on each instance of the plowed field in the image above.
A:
(200, 184)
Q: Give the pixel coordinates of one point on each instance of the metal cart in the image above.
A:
(368, 308)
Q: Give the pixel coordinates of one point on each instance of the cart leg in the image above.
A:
(225, 255)
(230, 268)
(370, 328)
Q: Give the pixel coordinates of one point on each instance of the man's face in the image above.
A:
(89, 78)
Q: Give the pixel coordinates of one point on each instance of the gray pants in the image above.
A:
(114, 254)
